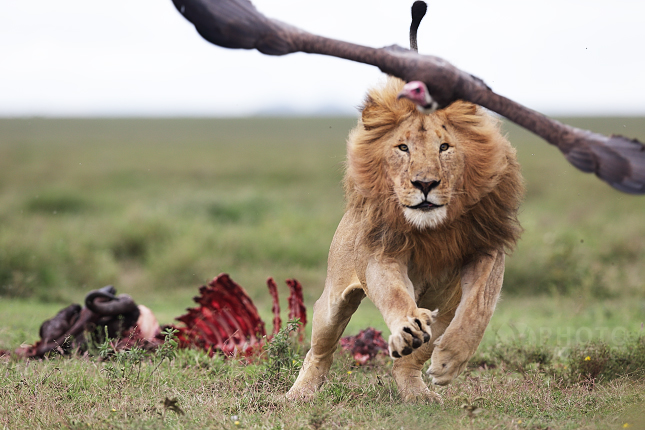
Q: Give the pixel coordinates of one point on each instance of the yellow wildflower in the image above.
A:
(587, 358)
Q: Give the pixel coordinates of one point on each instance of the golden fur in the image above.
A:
(409, 260)
(485, 214)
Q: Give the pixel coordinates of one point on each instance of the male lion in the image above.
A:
(432, 205)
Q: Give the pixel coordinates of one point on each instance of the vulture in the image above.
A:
(237, 24)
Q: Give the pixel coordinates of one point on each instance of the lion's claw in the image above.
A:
(411, 333)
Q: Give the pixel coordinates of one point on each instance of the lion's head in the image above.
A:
(411, 172)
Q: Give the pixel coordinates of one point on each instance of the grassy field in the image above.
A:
(157, 207)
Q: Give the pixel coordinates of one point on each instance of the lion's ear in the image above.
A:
(463, 114)
(461, 107)
(382, 109)
(369, 113)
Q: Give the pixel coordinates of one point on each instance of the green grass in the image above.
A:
(84, 392)
(159, 207)
(152, 205)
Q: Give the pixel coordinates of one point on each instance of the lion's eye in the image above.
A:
(403, 147)
(444, 147)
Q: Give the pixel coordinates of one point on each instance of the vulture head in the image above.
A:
(417, 92)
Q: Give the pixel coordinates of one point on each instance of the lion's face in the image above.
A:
(425, 165)
(407, 169)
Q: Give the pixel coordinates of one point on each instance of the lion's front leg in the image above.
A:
(332, 311)
(481, 282)
(388, 286)
(407, 370)
(331, 315)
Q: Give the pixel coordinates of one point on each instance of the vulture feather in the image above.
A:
(236, 24)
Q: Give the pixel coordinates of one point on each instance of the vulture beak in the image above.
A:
(417, 93)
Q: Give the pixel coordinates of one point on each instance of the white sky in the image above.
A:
(141, 57)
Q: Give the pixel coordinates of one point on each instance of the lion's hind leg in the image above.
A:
(481, 282)
(332, 312)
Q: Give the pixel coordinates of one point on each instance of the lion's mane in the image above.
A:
(483, 214)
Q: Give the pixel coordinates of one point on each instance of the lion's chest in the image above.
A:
(432, 290)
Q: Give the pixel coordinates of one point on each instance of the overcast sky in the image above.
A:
(141, 57)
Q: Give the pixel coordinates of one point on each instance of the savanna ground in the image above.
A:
(157, 207)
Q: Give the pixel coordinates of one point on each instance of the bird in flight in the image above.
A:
(237, 24)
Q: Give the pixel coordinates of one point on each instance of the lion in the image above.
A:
(432, 202)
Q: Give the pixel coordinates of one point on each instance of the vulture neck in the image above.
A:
(314, 44)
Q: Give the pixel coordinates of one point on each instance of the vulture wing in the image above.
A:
(237, 24)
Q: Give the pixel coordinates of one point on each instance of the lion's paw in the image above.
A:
(303, 393)
(411, 332)
(422, 396)
(447, 363)
(311, 377)
(411, 386)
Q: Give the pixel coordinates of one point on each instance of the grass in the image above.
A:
(163, 205)
(159, 207)
(151, 205)
(197, 391)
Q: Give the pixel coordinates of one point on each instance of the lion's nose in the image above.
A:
(425, 186)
